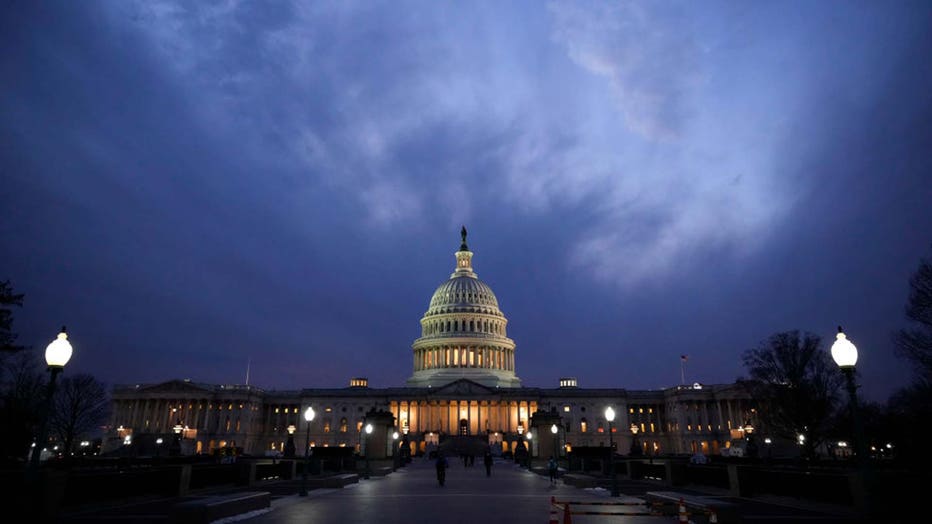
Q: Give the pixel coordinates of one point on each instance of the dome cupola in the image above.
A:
(463, 333)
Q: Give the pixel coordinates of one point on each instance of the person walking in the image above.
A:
(441, 468)
(552, 469)
(488, 463)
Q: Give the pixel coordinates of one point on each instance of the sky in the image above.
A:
(194, 187)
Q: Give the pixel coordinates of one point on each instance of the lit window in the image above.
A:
(566, 409)
(327, 427)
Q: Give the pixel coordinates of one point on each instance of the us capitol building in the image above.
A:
(463, 383)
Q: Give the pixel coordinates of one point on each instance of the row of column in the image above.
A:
(480, 416)
(156, 415)
(464, 357)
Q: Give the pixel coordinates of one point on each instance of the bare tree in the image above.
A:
(81, 405)
(796, 384)
(915, 343)
(8, 298)
(22, 389)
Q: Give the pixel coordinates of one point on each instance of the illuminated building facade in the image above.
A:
(463, 383)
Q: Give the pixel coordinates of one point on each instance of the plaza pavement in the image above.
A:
(512, 495)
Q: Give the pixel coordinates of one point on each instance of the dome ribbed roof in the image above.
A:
(463, 291)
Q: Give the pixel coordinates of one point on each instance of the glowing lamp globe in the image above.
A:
(843, 351)
(368, 429)
(309, 414)
(58, 353)
(553, 429)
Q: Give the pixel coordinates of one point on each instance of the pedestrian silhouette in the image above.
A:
(488, 463)
(441, 464)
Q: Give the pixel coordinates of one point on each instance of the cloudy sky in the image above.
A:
(193, 185)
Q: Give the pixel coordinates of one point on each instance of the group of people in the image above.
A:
(442, 464)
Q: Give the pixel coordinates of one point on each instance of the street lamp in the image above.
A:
(368, 432)
(308, 416)
(751, 446)
(394, 451)
(529, 436)
(176, 444)
(554, 430)
(289, 446)
(610, 416)
(635, 445)
(57, 354)
(158, 447)
(845, 355)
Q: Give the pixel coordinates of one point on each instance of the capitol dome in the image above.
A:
(463, 333)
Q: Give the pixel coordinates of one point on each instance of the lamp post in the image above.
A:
(57, 354)
(289, 450)
(845, 355)
(610, 416)
(554, 430)
(158, 447)
(750, 446)
(529, 436)
(635, 445)
(368, 432)
(394, 451)
(308, 417)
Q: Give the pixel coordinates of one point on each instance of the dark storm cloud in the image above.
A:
(194, 185)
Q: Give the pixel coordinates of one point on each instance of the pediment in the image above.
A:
(464, 387)
(175, 386)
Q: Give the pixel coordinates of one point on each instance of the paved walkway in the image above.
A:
(511, 495)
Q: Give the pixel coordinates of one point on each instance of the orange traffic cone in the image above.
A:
(553, 511)
(713, 517)
(683, 516)
(567, 519)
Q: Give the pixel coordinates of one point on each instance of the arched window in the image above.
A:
(583, 425)
(343, 425)
(472, 325)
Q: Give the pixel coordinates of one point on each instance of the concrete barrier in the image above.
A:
(580, 481)
(208, 509)
(334, 481)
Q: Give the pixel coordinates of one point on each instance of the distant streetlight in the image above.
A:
(158, 447)
(610, 416)
(308, 417)
(554, 430)
(289, 450)
(57, 354)
(176, 444)
(635, 445)
(394, 451)
(529, 435)
(368, 432)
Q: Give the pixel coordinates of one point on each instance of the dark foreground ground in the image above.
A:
(511, 495)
